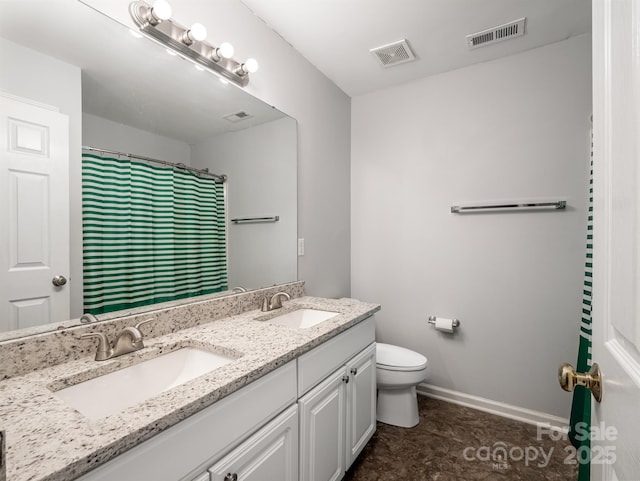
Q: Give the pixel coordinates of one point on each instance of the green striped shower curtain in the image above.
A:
(150, 234)
(580, 421)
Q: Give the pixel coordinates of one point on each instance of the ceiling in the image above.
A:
(336, 35)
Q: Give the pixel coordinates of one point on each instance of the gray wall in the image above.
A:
(261, 166)
(514, 128)
(37, 77)
(293, 85)
(106, 134)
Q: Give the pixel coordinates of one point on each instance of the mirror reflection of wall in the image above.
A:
(126, 94)
(261, 183)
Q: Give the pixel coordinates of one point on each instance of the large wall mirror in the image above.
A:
(127, 94)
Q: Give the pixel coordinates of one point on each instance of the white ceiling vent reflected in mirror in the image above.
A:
(238, 117)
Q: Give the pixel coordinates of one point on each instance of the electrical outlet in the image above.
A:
(300, 247)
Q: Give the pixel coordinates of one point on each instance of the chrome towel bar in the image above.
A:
(247, 220)
(457, 209)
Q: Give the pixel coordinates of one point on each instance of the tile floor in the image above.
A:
(452, 443)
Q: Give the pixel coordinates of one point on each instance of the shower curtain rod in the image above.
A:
(181, 166)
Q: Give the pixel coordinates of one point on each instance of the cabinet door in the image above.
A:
(322, 431)
(361, 402)
(270, 454)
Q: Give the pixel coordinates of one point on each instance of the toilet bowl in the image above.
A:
(398, 371)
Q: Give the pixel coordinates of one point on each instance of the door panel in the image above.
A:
(361, 402)
(616, 260)
(34, 210)
(322, 416)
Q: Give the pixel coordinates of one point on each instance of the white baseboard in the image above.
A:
(487, 405)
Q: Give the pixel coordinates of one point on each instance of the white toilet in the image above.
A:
(398, 371)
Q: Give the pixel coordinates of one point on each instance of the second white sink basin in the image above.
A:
(116, 391)
(303, 318)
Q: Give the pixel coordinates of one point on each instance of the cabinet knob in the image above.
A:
(345, 379)
(354, 370)
(231, 477)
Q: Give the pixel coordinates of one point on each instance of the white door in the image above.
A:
(361, 402)
(34, 214)
(322, 434)
(616, 255)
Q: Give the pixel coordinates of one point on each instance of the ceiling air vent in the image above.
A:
(496, 34)
(394, 53)
(238, 117)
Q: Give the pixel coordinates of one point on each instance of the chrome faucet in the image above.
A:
(88, 318)
(275, 302)
(238, 289)
(129, 340)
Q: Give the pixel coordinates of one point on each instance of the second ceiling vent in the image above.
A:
(393, 53)
(497, 34)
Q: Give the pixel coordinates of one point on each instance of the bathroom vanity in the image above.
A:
(292, 403)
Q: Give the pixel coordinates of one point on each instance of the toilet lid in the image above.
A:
(396, 358)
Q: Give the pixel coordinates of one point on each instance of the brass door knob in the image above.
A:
(592, 380)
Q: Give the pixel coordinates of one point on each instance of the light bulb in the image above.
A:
(161, 10)
(225, 50)
(251, 65)
(196, 32)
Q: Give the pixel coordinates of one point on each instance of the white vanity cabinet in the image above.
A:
(260, 433)
(186, 450)
(338, 416)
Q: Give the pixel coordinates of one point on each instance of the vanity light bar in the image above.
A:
(172, 35)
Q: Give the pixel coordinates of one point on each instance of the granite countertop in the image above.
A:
(48, 440)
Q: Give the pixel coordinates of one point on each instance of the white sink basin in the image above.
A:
(113, 392)
(303, 318)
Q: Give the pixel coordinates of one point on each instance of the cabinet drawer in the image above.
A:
(188, 448)
(320, 362)
(270, 454)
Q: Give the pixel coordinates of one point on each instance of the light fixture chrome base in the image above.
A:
(170, 34)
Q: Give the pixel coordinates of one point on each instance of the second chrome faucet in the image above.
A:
(275, 302)
(129, 340)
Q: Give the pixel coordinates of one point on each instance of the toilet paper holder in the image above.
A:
(455, 323)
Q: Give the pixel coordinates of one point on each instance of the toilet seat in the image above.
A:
(396, 358)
